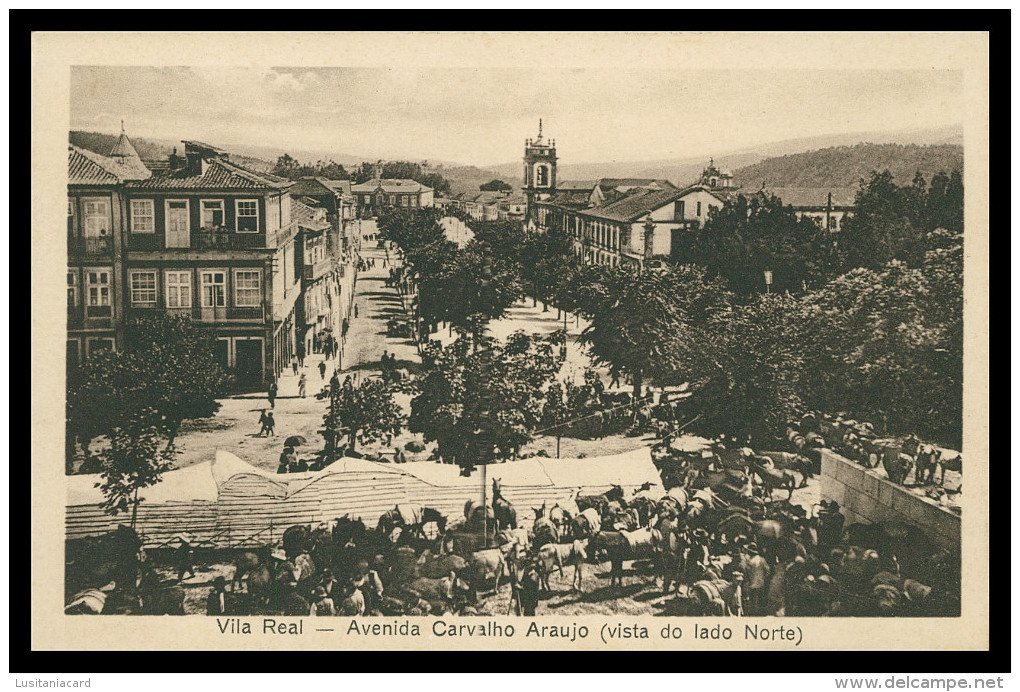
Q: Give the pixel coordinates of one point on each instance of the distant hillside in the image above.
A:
(684, 171)
(846, 166)
(467, 179)
(103, 144)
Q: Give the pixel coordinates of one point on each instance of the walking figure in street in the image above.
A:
(322, 369)
(302, 383)
(615, 374)
(270, 424)
(272, 394)
(263, 421)
(293, 365)
(185, 560)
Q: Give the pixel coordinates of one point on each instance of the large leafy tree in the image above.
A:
(744, 368)
(883, 225)
(639, 321)
(364, 413)
(480, 286)
(167, 367)
(744, 238)
(479, 404)
(888, 343)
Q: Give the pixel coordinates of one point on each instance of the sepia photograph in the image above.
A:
(377, 347)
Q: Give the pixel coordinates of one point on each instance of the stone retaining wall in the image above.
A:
(865, 496)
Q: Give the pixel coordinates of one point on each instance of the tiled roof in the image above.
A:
(219, 175)
(194, 144)
(85, 167)
(659, 183)
(588, 185)
(305, 216)
(341, 186)
(807, 197)
(395, 185)
(573, 199)
(314, 185)
(635, 206)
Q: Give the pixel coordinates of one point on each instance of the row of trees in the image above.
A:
(742, 239)
(885, 343)
(289, 167)
(882, 338)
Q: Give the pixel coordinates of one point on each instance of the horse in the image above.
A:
(787, 461)
(773, 479)
(618, 546)
(600, 502)
(412, 518)
(587, 523)
(954, 464)
(544, 531)
(925, 464)
(506, 515)
(554, 555)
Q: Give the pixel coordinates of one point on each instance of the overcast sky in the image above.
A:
(482, 116)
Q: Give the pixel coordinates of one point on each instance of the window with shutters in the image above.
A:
(98, 287)
(97, 217)
(214, 289)
(212, 214)
(72, 289)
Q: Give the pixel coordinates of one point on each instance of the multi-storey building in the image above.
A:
(202, 237)
(96, 209)
(337, 199)
(327, 281)
(376, 195)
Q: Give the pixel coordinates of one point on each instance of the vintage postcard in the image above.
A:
(600, 341)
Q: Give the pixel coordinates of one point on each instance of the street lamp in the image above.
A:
(768, 281)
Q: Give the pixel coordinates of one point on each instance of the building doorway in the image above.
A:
(249, 362)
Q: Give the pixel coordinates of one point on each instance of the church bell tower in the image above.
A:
(539, 168)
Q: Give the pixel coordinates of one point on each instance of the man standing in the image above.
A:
(530, 582)
(270, 425)
(272, 394)
(322, 369)
(367, 581)
(216, 602)
(757, 580)
(302, 383)
(185, 559)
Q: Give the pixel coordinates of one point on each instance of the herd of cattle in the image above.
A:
(719, 541)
